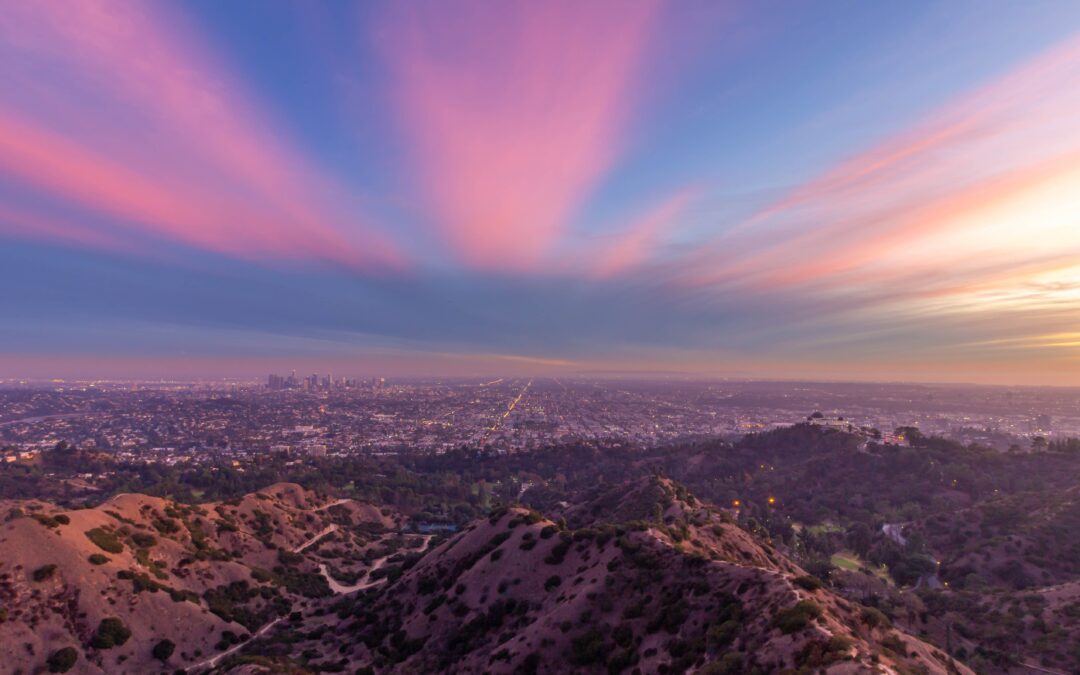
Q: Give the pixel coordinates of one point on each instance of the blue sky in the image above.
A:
(779, 189)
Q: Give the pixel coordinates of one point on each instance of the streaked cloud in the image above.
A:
(513, 113)
(120, 108)
(543, 185)
(637, 243)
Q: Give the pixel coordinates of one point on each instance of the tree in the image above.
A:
(913, 436)
(860, 538)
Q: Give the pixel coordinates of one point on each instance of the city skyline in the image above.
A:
(857, 191)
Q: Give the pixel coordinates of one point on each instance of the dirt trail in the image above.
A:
(322, 533)
(340, 588)
(214, 660)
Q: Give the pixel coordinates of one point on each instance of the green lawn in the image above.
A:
(847, 560)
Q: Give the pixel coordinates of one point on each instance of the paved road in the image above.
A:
(1041, 669)
(499, 420)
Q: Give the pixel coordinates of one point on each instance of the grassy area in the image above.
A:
(847, 560)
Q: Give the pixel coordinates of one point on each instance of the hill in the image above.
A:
(651, 580)
(641, 577)
(140, 583)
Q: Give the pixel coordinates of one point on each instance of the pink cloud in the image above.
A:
(514, 113)
(20, 224)
(170, 142)
(634, 246)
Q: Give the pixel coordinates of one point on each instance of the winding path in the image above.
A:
(213, 660)
(322, 533)
(340, 588)
(335, 586)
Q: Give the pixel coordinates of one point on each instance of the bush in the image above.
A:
(163, 650)
(796, 617)
(728, 664)
(620, 660)
(807, 582)
(110, 633)
(558, 552)
(166, 525)
(62, 519)
(98, 559)
(552, 582)
(874, 618)
(62, 660)
(143, 540)
(47, 521)
(895, 644)
(44, 572)
(722, 634)
(587, 648)
(105, 540)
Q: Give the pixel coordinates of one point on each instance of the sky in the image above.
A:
(781, 189)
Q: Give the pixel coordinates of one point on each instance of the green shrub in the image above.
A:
(728, 664)
(62, 519)
(895, 644)
(110, 633)
(163, 650)
(552, 582)
(722, 634)
(807, 582)
(98, 559)
(796, 617)
(62, 660)
(620, 660)
(166, 525)
(261, 575)
(183, 596)
(105, 540)
(873, 617)
(558, 552)
(587, 648)
(44, 572)
(143, 540)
